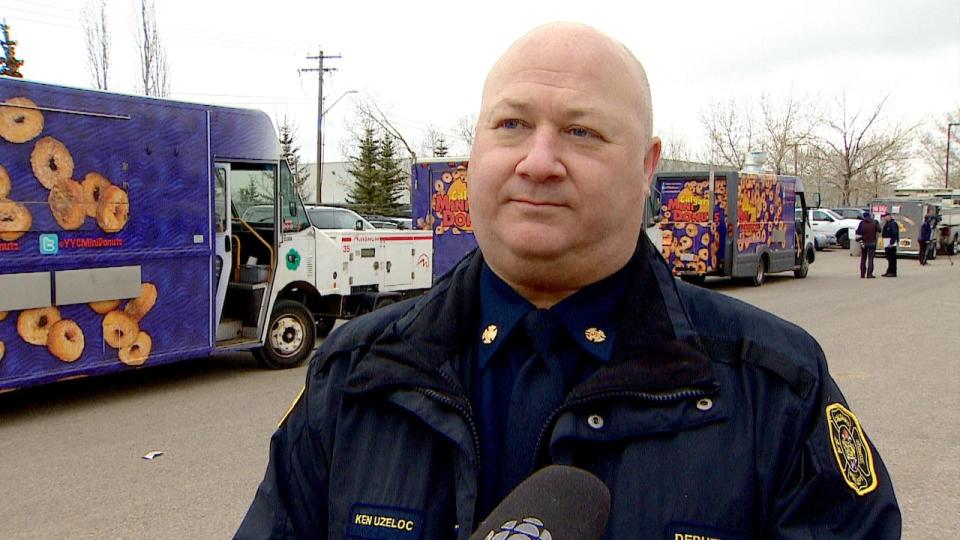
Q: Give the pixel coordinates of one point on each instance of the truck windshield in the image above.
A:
(252, 188)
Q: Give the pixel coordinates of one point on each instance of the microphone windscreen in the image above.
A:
(557, 502)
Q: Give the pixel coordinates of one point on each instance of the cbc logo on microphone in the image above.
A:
(525, 529)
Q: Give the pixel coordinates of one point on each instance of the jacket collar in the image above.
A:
(656, 349)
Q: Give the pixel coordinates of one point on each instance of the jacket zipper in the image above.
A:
(678, 395)
(466, 411)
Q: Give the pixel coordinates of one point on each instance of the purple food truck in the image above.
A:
(137, 231)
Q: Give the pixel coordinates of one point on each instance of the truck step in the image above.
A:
(229, 329)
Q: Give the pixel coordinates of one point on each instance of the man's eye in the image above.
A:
(511, 123)
(580, 132)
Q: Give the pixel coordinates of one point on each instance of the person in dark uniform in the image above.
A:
(868, 231)
(564, 339)
(926, 231)
(891, 237)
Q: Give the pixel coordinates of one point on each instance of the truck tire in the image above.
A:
(384, 301)
(761, 274)
(842, 239)
(804, 268)
(325, 325)
(952, 247)
(290, 336)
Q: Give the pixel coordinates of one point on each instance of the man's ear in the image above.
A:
(650, 159)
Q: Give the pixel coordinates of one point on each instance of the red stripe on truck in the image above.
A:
(391, 238)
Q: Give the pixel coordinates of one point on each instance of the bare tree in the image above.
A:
(732, 131)
(97, 40)
(154, 70)
(466, 126)
(432, 140)
(933, 150)
(368, 110)
(854, 142)
(787, 124)
(675, 147)
(880, 179)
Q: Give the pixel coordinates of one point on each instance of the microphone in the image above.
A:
(557, 502)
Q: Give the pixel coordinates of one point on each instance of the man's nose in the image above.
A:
(543, 159)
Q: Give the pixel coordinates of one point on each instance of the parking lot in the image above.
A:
(71, 461)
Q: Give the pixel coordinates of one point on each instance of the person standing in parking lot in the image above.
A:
(891, 237)
(926, 231)
(867, 233)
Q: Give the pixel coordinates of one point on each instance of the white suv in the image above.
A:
(827, 221)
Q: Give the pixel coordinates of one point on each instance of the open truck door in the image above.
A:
(223, 264)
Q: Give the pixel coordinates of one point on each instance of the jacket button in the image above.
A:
(595, 421)
(705, 404)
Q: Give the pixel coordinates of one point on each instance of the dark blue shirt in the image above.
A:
(502, 348)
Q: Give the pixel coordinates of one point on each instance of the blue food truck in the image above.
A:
(137, 231)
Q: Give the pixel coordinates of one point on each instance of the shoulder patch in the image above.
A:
(292, 405)
(854, 458)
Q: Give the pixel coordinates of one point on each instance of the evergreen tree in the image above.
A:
(440, 149)
(393, 178)
(365, 194)
(291, 153)
(9, 64)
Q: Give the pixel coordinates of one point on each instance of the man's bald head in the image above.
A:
(561, 161)
(569, 44)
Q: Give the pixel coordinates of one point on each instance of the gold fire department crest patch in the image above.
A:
(851, 449)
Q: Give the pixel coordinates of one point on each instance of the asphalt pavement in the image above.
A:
(71, 454)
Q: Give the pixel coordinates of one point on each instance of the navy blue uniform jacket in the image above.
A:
(719, 420)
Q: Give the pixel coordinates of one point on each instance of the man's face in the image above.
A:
(557, 170)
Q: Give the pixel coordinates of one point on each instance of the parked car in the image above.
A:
(388, 222)
(827, 221)
(822, 240)
(849, 213)
(331, 217)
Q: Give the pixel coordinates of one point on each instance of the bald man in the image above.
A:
(564, 339)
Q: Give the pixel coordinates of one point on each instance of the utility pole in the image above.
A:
(946, 174)
(320, 71)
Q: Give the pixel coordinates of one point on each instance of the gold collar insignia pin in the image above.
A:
(489, 334)
(595, 335)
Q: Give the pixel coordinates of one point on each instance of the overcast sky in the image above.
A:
(424, 62)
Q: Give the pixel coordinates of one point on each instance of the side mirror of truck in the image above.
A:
(358, 226)
(293, 208)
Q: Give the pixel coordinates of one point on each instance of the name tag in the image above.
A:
(384, 523)
(684, 531)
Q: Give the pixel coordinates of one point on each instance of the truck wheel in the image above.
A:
(290, 336)
(760, 274)
(804, 268)
(952, 248)
(843, 239)
(325, 325)
(384, 302)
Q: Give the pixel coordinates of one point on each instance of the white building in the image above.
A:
(337, 182)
